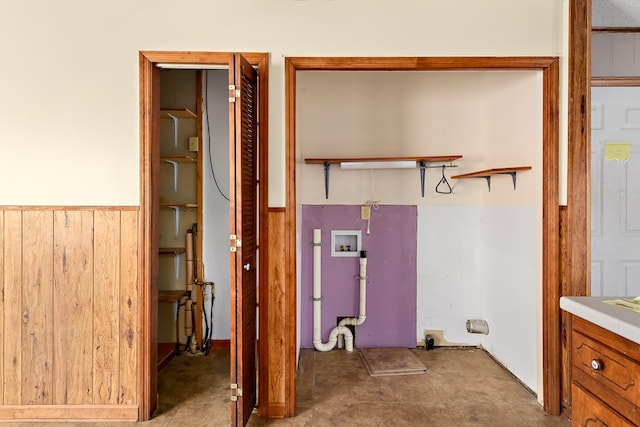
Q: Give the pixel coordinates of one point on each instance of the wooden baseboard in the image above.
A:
(220, 344)
(166, 352)
(68, 413)
(272, 410)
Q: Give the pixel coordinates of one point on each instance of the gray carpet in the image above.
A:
(391, 361)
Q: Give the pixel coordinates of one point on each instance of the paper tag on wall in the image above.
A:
(617, 150)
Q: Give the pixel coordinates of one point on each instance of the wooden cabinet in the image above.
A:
(605, 377)
(588, 411)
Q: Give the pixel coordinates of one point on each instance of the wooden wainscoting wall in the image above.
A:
(68, 323)
(275, 313)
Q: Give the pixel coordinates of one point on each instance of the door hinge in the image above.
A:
(235, 392)
(235, 243)
(233, 93)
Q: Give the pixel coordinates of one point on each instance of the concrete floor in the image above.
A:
(462, 387)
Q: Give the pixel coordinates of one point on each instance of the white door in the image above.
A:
(615, 192)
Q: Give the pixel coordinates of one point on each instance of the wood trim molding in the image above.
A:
(551, 242)
(579, 154)
(615, 81)
(276, 410)
(290, 232)
(576, 265)
(147, 298)
(565, 326)
(69, 208)
(264, 233)
(549, 67)
(220, 344)
(56, 413)
(419, 63)
(275, 317)
(199, 57)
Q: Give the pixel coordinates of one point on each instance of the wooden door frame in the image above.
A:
(549, 66)
(149, 164)
(576, 216)
(576, 278)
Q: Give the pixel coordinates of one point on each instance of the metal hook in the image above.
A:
(443, 180)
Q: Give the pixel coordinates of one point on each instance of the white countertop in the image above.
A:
(619, 320)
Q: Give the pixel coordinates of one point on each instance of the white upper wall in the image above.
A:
(69, 83)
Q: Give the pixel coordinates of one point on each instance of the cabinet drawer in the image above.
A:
(607, 366)
(587, 411)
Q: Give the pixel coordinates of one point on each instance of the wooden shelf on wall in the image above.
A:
(177, 113)
(178, 205)
(172, 251)
(171, 296)
(166, 352)
(178, 159)
(418, 159)
(488, 173)
(379, 163)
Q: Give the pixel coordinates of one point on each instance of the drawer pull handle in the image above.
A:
(596, 365)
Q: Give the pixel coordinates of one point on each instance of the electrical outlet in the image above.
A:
(193, 143)
(365, 211)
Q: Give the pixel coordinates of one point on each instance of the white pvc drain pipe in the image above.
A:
(317, 300)
(362, 314)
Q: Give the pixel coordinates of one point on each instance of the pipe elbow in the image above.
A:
(320, 346)
(341, 330)
(353, 321)
(348, 343)
(345, 321)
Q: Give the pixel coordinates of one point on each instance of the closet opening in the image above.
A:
(300, 130)
(202, 183)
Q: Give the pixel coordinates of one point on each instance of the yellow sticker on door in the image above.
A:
(617, 150)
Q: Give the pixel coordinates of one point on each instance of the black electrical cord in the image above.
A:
(206, 341)
(209, 143)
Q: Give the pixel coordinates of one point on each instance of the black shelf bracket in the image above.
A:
(327, 168)
(423, 168)
(488, 178)
(513, 178)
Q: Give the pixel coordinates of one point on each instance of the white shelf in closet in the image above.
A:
(178, 113)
